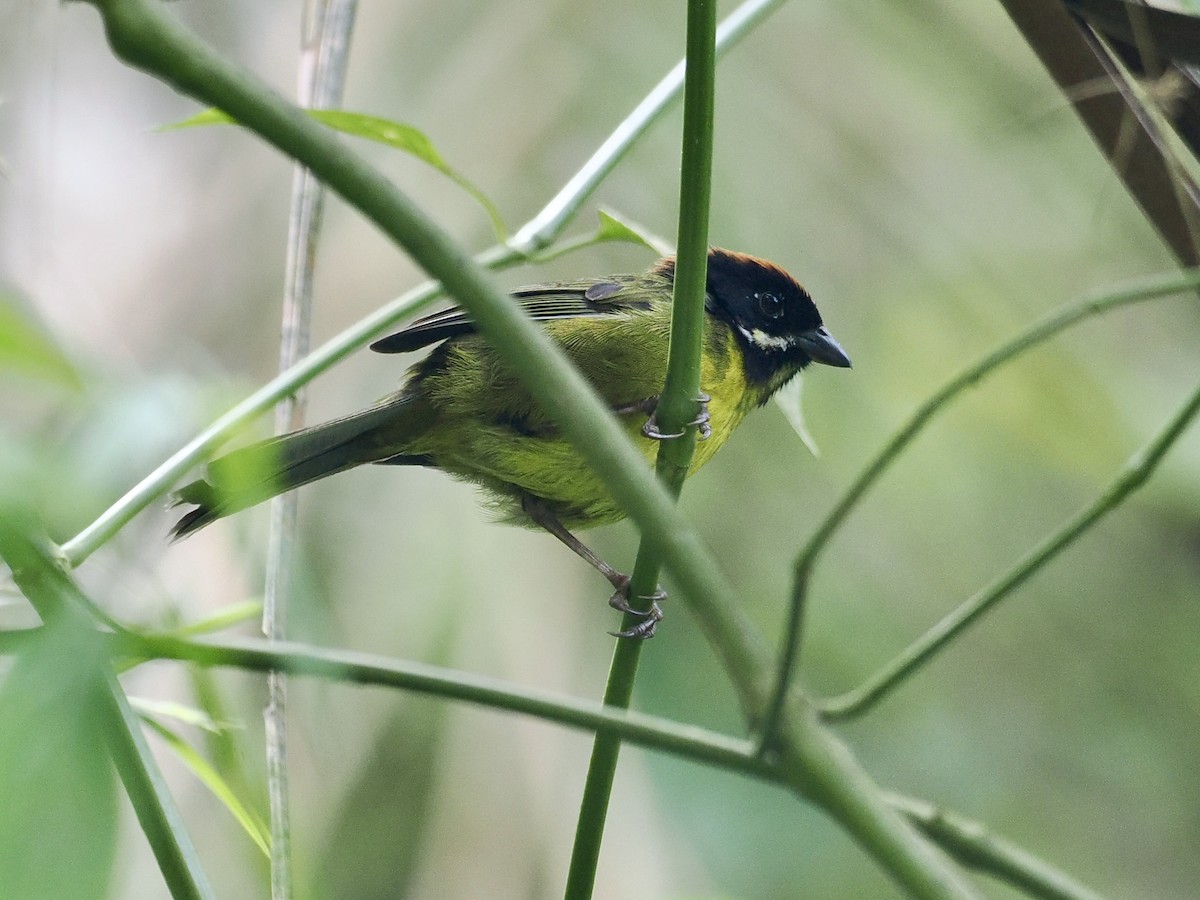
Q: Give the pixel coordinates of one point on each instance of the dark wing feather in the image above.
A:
(585, 299)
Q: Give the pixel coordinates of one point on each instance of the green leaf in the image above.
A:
(789, 398)
(212, 779)
(396, 135)
(226, 617)
(168, 709)
(408, 140)
(58, 801)
(614, 227)
(212, 116)
(26, 347)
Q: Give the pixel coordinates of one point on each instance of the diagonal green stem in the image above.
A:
(547, 224)
(169, 472)
(970, 842)
(542, 230)
(1132, 476)
(973, 845)
(60, 605)
(676, 407)
(144, 34)
(1054, 324)
(348, 666)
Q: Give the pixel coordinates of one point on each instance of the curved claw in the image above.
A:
(650, 618)
(642, 631)
(702, 422)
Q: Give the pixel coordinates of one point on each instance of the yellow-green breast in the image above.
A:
(492, 433)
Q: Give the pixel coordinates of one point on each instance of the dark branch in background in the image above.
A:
(1174, 36)
(1079, 60)
(1159, 45)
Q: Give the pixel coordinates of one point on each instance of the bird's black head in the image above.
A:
(772, 317)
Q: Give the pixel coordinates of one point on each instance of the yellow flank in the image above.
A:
(463, 411)
(520, 450)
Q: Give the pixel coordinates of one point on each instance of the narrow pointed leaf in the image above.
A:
(790, 399)
(212, 779)
(169, 709)
(396, 135)
(615, 227)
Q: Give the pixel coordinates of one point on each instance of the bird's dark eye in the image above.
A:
(770, 305)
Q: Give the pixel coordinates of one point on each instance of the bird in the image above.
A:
(462, 409)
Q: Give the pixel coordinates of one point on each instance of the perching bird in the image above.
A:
(462, 410)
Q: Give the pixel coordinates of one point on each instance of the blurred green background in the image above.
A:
(913, 166)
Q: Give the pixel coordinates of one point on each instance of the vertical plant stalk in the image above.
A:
(544, 227)
(541, 231)
(145, 36)
(678, 405)
(324, 57)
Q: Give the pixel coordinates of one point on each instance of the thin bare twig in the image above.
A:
(542, 230)
(1132, 476)
(1042, 331)
(324, 57)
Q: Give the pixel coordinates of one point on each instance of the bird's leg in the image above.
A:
(702, 420)
(543, 516)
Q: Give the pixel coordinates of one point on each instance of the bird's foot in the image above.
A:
(702, 422)
(650, 617)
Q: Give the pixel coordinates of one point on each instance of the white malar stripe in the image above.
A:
(761, 339)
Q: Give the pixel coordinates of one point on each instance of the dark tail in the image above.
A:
(260, 471)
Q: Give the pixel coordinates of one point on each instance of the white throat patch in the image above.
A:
(764, 341)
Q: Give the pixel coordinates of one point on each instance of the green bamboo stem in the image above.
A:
(542, 230)
(346, 666)
(676, 407)
(143, 34)
(546, 226)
